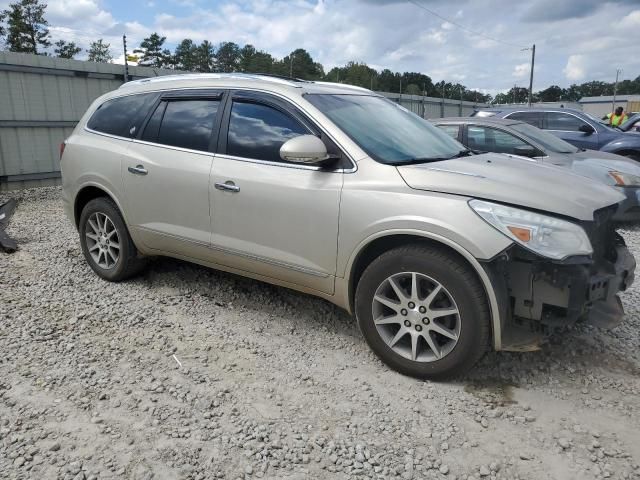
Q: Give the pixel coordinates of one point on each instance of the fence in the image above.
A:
(432, 107)
(42, 98)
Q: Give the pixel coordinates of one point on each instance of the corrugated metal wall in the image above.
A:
(431, 107)
(42, 98)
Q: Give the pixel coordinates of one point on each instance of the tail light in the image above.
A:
(62, 145)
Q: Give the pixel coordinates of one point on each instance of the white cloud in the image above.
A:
(521, 70)
(631, 20)
(575, 69)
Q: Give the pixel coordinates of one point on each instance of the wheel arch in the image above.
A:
(87, 193)
(374, 246)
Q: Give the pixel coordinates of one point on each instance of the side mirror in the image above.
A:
(585, 128)
(304, 149)
(525, 151)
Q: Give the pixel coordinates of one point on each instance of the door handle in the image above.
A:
(138, 170)
(228, 186)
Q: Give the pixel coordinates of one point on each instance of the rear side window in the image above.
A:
(258, 131)
(532, 118)
(121, 116)
(183, 123)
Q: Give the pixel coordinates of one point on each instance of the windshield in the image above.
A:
(387, 132)
(598, 121)
(547, 140)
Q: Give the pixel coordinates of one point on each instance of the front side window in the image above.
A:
(388, 132)
(121, 116)
(532, 118)
(563, 121)
(183, 123)
(451, 130)
(548, 140)
(258, 131)
(488, 139)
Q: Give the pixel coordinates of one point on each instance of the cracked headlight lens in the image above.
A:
(545, 235)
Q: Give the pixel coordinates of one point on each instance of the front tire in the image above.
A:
(106, 243)
(424, 312)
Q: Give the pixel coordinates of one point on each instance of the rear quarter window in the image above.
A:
(121, 116)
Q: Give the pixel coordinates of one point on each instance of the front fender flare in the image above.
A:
(496, 321)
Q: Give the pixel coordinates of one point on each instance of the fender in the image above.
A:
(475, 264)
(108, 191)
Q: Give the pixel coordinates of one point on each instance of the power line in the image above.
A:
(462, 27)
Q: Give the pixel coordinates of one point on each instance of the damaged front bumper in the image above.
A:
(541, 296)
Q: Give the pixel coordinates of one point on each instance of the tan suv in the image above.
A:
(335, 191)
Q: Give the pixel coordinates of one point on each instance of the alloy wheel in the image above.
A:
(102, 240)
(416, 316)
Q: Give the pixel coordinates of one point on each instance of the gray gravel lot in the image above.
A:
(186, 372)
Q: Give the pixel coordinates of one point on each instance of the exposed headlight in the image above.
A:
(625, 179)
(547, 236)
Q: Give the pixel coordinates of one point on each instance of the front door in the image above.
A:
(567, 127)
(166, 176)
(272, 218)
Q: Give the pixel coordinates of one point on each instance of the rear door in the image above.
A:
(270, 217)
(166, 173)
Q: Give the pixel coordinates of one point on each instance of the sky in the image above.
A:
(576, 41)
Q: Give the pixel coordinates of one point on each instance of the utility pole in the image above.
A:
(126, 64)
(533, 61)
(615, 90)
(515, 88)
(291, 65)
(460, 108)
(442, 105)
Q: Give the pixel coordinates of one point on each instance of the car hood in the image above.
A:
(516, 181)
(595, 164)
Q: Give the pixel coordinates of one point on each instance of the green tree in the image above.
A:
(205, 57)
(228, 57)
(100, 52)
(184, 56)
(66, 50)
(551, 94)
(26, 29)
(299, 64)
(153, 55)
(255, 61)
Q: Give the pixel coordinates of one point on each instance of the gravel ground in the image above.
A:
(185, 372)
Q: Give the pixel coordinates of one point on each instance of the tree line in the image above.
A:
(24, 28)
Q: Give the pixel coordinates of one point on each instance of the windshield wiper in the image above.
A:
(463, 153)
(414, 161)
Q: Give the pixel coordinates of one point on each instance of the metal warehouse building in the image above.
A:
(600, 106)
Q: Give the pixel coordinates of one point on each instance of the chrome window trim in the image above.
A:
(353, 169)
(151, 144)
(238, 253)
(282, 164)
(595, 130)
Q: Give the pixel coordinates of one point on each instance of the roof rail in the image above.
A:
(216, 76)
(344, 85)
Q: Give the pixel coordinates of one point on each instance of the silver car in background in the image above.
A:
(337, 192)
(515, 137)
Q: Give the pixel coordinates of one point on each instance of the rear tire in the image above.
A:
(106, 243)
(431, 304)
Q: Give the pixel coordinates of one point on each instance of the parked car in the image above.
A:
(632, 124)
(576, 127)
(338, 192)
(514, 137)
